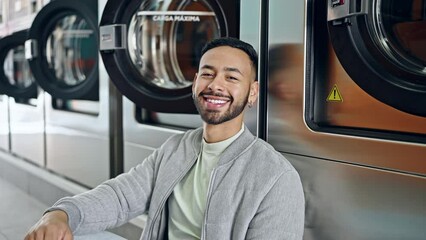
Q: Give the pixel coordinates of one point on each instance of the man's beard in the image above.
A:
(214, 117)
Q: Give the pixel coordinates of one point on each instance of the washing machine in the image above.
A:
(26, 113)
(4, 100)
(151, 51)
(346, 97)
(62, 50)
(26, 110)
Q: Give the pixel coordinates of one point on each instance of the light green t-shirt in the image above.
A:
(187, 203)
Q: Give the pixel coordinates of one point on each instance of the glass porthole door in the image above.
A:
(367, 69)
(381, 44)
(16, 79)
(62, 50)
(151, 49)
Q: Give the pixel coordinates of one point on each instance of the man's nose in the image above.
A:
(217, 84)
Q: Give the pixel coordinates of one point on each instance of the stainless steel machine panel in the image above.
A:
(77, 145)
(345, 201)
(4, 100)
(27, 129)
(4, 123)
(361, 158)
(140, 140)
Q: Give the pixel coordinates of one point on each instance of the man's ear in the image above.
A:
(254, 91)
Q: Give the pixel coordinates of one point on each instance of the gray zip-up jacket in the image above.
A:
(254, 193)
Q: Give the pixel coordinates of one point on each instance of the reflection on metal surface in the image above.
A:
(27, 129)
(71, 50)
(78, 106)
(285, 98)
(165, 45)
(179, 121)
(4, 123)
(344, 201)
(89, 166)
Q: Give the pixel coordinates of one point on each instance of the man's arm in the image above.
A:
(282, 211)
(111, 204)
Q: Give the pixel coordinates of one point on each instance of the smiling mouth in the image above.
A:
(214, 100)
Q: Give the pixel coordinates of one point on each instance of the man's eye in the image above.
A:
(206, 74)
(232, 78)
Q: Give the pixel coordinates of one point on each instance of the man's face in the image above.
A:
(224, 84)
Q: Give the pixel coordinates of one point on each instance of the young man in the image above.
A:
(216, 182)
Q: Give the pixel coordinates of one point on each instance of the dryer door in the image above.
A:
(16, 79)
(151, 48)
(367, 68)
(381, 45)
(62, 50)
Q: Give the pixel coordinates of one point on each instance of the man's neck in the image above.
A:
(216, 133)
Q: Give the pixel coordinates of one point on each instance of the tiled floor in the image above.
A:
(26, 191)
(18, 211)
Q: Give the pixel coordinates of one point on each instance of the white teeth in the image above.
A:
(216, 101)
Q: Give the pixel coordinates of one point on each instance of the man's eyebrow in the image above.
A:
(208, 67)
(232, 69)
(227, 69)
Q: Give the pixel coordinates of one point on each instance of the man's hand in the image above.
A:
(52, 226)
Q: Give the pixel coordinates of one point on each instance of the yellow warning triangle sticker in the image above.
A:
(335, 95)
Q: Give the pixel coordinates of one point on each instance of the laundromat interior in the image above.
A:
(91, 88)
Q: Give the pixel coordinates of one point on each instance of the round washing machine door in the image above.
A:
(151, 49)
(381, 45)
(16, 79)
(62, 49)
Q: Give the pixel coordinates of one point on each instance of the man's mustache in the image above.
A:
(216, 94)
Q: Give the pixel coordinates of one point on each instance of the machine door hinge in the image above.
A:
(339, 11)
(112, 37)
(31, 49)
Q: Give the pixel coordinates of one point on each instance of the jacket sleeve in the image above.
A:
(114, 202)
(281, 212)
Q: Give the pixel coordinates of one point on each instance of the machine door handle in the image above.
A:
(113, 37)
(339, 11)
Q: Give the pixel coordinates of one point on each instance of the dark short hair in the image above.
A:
(234, 43)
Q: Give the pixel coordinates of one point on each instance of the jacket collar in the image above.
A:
(236, 148)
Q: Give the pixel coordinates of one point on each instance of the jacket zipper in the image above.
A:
(209, 190)
(169, 191)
